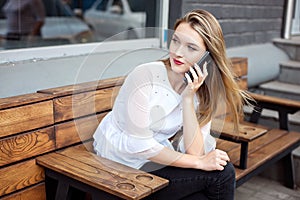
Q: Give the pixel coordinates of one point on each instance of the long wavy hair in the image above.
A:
(220, 88)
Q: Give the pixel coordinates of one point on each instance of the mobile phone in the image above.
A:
(205, 58)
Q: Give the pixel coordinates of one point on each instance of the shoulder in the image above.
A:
(151, 66)
(148, 69)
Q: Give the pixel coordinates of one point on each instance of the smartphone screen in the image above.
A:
(205, 58)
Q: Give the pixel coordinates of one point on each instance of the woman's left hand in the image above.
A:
(194, 85)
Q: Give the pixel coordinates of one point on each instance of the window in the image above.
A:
(72, 22)
(64, 55)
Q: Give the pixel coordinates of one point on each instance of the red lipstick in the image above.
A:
(177, 62)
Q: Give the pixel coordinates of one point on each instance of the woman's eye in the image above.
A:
(174, 40)
(192, 48)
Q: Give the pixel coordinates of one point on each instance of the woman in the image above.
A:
(24, 21)
(154, 103)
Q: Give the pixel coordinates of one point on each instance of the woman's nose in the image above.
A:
(179, 51)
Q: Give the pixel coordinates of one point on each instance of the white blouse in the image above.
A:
(146, 113)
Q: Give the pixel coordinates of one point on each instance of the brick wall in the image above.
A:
(243, 22)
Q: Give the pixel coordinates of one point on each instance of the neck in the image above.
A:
(176, 81)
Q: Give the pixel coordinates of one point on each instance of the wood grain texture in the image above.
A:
(77, 130)
(36, 192)
(94, 176)
(239, 66)
(246, 132)
(136, 176)
(84, 87)
(25, 118)
(276, 100)
(19, 176)
(24, 99)
(82, 104)
(260, 150)
(233, 149)
(26, 145)
(243, 83)
(267, 152)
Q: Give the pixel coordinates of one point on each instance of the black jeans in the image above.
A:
(195, 184)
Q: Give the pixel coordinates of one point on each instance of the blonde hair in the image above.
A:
(220, 85)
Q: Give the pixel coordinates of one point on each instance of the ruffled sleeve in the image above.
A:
(131, 113)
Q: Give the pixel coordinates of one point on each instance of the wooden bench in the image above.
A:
(282, 106)
(67, 116)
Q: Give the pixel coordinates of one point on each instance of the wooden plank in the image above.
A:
(234, 151)
(84, 87)
(20, 119)
(24, 99)
(19, 176)
(239, 66)
(137, 176)
(26, 145)
(246, 132)
(226, 145)
(93, 176)
(267, 152)
(243, 83)
(82, 104)
(37, 192)
(276, 100)
(81, 129)
(267, 138)
(231, 148)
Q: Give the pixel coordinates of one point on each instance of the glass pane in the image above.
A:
(74, 21)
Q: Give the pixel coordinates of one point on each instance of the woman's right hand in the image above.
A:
(214, 160)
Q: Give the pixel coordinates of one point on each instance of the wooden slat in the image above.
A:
(81, 129)
(267, 152)
(243, 83)
(276, 100)
(137, 176)
(84, 87)
(82, 104)
(37, 192)
(239, 66)
(234, 151)
(19, 176)
(94, 176)
(25, 118)
(23, 100)
(26, 145)
(227, 146)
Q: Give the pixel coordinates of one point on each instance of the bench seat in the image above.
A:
(274, 145)
(80, 168)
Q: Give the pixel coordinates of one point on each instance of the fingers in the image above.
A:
(223, 155)
(198, 74)
(221, 159)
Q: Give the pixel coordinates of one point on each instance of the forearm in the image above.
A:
(193, 139)
(214, 160)
(173, 158)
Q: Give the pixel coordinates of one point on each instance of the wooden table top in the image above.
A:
(247, 132)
